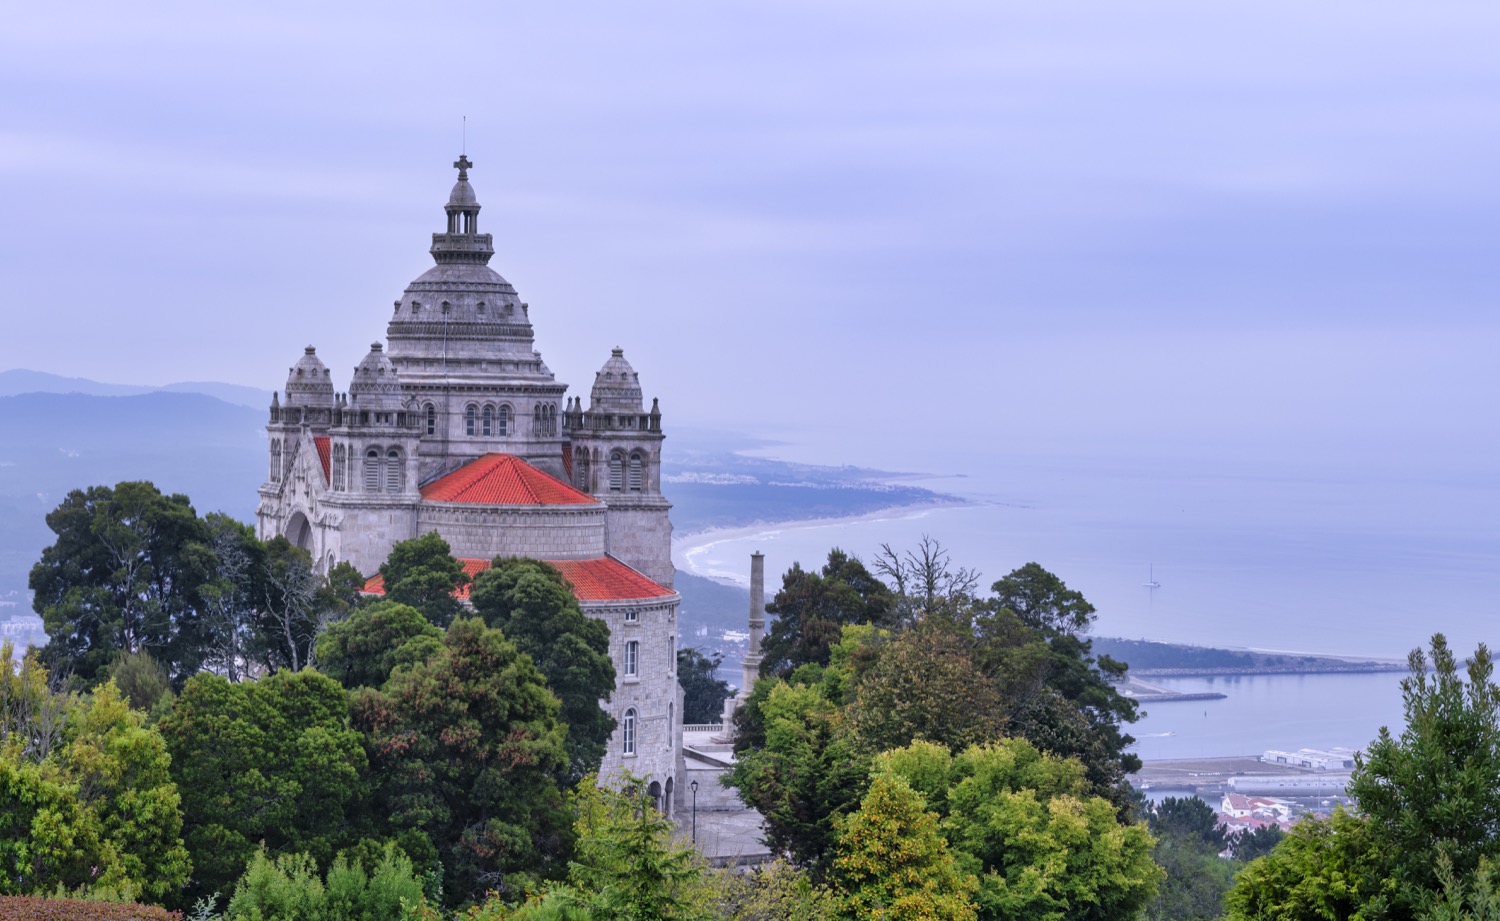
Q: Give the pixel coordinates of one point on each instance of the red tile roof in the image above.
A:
(601, 579)
(324, 454)
(503, 479)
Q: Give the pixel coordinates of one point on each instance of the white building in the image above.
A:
(459, 427)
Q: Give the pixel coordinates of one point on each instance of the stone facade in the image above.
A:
(427, 438)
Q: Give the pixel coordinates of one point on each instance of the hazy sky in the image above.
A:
(1233, 228)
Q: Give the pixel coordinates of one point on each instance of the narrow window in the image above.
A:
(616, 471)
(503, 422)
(469, 420)
(635, 472)
(372, 470)
(489, 419)
(632, 658)
(393, 471)
(431, 419)
(627, 732)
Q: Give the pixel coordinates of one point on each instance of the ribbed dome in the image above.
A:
(308, 382)
(462, 194)
(617, 388)
(376, 385)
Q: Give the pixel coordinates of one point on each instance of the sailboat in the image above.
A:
(1151, 578)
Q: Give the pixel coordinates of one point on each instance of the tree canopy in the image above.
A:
(421, 572)
(812, 608)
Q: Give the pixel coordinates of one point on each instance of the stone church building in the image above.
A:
(457, 426)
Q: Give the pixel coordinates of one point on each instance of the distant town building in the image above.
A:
(1332, 759)
(456, 425)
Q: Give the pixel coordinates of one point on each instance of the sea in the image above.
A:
(1333, 558)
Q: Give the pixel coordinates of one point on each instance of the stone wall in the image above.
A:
(553, 532)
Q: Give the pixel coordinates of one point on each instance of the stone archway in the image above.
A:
(299, 531)
(670, 803)
(654, 791)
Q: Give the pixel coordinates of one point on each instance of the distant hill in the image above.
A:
(212, 451)
(20, 380)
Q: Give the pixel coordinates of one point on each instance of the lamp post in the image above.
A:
(694, 787)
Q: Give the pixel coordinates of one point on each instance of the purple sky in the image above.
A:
(1232, 228)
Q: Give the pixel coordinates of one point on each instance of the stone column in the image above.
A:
(752, 656)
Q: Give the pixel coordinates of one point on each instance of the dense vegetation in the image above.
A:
(215, 728)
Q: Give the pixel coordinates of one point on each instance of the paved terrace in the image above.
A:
(728, 833)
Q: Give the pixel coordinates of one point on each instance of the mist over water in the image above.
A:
(1326, 558)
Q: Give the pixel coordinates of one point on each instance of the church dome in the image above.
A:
(617, 388)
(376, 386)
(462, 194)
(308, 382)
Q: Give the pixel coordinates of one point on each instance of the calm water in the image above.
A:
(1270, 711)
(1353, 562)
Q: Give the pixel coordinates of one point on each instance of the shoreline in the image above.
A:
(696, 543)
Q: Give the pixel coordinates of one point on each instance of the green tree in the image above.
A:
(1187, 817)
(805, 775)
(91, 811)
(812, 608)
(1022, 820)
(924, 684)
(1042, 601)
(125, 574)
(288, 887)
(470, 759)
(1323, 868)
(271, 761)
(375, 640)
(140, 678)
(1251, 843)
(893, 864)
(533, 605)
(1436, 787)
(422, 572)
(703, 691)
(625, 864)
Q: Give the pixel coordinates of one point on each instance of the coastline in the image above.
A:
(689, 549)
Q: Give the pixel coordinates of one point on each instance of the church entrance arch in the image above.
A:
(299, 531)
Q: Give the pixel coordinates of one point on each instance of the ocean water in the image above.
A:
(1332, 558)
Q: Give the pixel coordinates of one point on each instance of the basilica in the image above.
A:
(456, 425)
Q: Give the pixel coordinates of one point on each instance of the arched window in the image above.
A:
(340, 463)
(431, 419)
(502, 424)
(627, 732)
(581, 469)
(635, 471)
(489, 419)
(372, 470)
(616, 471)
(394, 471)
(275, 461)
(632, 658)
(469, 419)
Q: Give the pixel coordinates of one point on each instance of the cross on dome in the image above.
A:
(462, 164)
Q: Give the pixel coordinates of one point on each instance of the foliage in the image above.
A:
(232, 596)
(470, 758)
(1042, 601)
(288, 888)
(1023, 822)
(36, 908)
(776, 891)
(1189, 840)
(271, 761)
(892, 864)
(805, 775)
(1436, 787)
(626, 865)
(126, 573)
(375, 640)
(94, 812)
(1323, 868)
(925, 685)
(1474, 899)
(1250, 843)
(812, 608)
(533, 605)
(1187, 817)
(140, 678)
(703, 691)
(422, 572)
